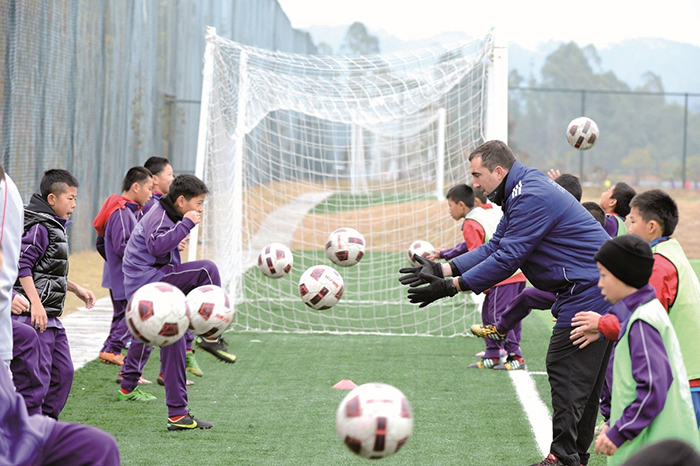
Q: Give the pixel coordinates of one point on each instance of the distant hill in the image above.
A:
(677, 63)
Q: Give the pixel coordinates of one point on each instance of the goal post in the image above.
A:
(294, 146)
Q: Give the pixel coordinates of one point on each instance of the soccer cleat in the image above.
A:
(192, 366)
(550, 460)
(112, 358)
(135, 395)
(217, 348)
(187, 422)
(488, 331)
(512, 363)
(485, 363)
(161, 381)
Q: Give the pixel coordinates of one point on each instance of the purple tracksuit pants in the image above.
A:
(494, 305)
(26, 372)
(79, 445)
(118, 331)
(56, 361)
(186, 277)
(519, 308)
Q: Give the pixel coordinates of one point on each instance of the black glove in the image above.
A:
(412, 277)
(438, 288)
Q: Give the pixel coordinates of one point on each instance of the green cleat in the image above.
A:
(192, 366)
(216, 347)
(485, 363)
(188, 422)
(136, 395)
(513, 363)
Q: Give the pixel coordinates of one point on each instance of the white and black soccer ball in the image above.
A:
(275, 260)
(422, 248)
(321, 287)
(209, 310)
(345, 247)
(157, 314)
(582, 133)
(374, 420)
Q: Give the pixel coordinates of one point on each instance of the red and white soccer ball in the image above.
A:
(582, 133)
(345, 247)
(209, 310)
(374, 420)
(157, 314)
(275, 260)
(321, 287)
(422, 248)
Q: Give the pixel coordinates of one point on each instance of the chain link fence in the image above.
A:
(98, 86)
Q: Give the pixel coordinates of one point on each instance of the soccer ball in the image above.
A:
(582, 133)
(157, 314)
(209, 311)
(374, 420)
(422, 248)
(321, 287)
(345, 247)
(275, 260)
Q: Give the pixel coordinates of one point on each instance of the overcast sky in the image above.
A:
(597, 22)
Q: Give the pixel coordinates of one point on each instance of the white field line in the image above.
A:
(536, 411)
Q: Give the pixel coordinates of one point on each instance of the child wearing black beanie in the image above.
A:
(647, 395)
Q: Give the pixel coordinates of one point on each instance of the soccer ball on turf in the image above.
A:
(321, 287)
(275, 260)
(157, 314)
(582, 133)
(209, 311)
(345, 247)
(422, 248)
(374, 420)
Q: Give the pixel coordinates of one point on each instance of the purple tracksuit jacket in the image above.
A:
(152, 250)
(119, 227)
(153, 201)
(653, 374)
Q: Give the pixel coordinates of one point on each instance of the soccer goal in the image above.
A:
(293, 147)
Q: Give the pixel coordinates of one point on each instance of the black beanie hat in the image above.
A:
(629, 258)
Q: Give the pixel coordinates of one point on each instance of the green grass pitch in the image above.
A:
(276, 405)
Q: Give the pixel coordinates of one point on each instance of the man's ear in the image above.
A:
(51, 199)
(500, 172)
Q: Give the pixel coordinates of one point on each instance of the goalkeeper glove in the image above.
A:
(437, 288)
(412, 274)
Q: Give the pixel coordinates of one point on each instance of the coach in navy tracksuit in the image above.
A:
(552, 238)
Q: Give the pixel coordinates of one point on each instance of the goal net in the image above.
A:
(293, 147)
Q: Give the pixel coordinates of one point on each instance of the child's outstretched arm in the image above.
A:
(84, 294)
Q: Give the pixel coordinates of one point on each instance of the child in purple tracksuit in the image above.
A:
(43, 280)
(152, 255)
(36, 440)
(162, 179)
(114, 224)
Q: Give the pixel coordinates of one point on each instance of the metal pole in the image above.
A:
(580, 153)
(685, 140)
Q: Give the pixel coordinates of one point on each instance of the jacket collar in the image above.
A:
(170, 209)
(39, 205)
(624, 308)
